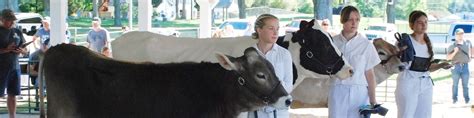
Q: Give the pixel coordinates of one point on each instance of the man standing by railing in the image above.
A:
(98, 37)
(11, 41)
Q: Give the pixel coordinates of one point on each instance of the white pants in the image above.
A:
(414, 97)
(344, 100)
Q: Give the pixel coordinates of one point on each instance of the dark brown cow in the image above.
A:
(84, 84)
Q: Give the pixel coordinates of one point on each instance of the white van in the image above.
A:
(27, 22)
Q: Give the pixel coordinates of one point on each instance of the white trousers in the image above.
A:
(414, 97)
(344, 100)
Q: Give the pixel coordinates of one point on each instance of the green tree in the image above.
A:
(259, 3)
(117, 13)
(305, 7)
(278, 4)
(242, 7)
(404, 8)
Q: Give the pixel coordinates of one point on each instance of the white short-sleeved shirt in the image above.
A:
(360, 54)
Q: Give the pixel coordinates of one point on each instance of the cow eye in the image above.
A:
(260, 75)
(381, 53)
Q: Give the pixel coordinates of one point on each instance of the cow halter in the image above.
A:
(264, 97)
(330, 68)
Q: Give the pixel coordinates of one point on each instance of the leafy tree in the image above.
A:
(242, 7)
(278, 4)
(156, 3)
(403, 8)
(305, 8)
(259, 3)
(117, 13)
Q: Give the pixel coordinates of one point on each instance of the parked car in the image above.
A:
(293, 26)
(242, 27)
(28, 22)
(385, 31)
(442, 41)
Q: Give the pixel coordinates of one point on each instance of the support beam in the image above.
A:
(58, 35)
(130, 14)
(58, 21)
(205, 15)
(144, 15)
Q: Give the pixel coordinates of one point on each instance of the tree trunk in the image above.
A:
(95, 8)
(117, 13)
(242, 7)
(47, 7)
(323, 9)
(391, 12)
(182, 13)
(177, 8)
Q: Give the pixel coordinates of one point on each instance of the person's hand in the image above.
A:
(445, 65)
(9, 48)
(373, 102)
(19, 50)
(456, 49)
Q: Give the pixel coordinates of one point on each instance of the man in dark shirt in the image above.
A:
(11, 41)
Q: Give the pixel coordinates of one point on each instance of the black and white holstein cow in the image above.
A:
(315, 57)
(84, 84)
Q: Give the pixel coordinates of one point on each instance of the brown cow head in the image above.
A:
(390, 64)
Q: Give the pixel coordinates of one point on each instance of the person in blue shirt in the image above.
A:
(98, 37)
(11, 41)
(43, 32)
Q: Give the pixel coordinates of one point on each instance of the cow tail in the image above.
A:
(41, 87)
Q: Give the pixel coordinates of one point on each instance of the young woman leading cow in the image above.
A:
(414, 92)
(346, 95)
(266, 32)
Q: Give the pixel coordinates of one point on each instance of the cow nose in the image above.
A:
(401, 68)
(288, 102)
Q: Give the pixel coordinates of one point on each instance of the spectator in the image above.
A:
(346, 95)
(34, 59)
(106, 52)
(98, 37)
(460, 53)
(266, 32)
(125, 29)
(326, 26)
(11, 40)
(414, 91)
(42, 33)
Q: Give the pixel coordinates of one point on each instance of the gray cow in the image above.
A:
(84, 84)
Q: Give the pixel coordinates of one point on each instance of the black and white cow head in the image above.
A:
(317, 52)
(258, 78)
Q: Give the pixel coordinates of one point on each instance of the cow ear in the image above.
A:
(225, 62)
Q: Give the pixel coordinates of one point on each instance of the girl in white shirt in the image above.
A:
(266, 32)
(346, 95)
(414, 92)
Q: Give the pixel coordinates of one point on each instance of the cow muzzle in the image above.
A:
(283, 102)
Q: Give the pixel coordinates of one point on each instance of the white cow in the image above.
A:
(310, 87)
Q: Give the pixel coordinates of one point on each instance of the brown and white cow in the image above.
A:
(85, 84)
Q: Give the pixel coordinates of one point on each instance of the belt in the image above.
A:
(460, 63)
